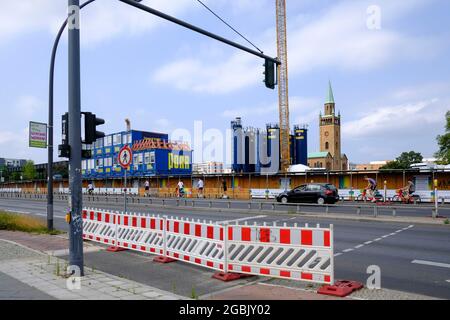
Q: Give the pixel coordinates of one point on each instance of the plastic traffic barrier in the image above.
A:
(340, 288)
(295, 253)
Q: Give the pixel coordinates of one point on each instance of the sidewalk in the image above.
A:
(26, 273)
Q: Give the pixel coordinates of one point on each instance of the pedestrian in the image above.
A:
(90, 188)
(200, 185)
(224, 187)
(147, 188)
(180, 188)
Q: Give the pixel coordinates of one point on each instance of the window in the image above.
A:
(138, 158)
(108, 162)
(99, 163)
(327, 145)
(108, 141)
(99, 143)
(84, 164)
(126, 138)
(149, 157)
(116, 139)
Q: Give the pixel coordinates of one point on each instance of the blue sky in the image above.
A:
(392, 85)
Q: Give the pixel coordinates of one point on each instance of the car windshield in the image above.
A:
(330, 186)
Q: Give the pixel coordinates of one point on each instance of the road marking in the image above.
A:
(241, 219)
(368, 242)
(392, 234)
(385, 236)
(33, 214)
(377, 239)
(448, 280)
(431, 263)
(347, 250)
(359, 246)
(338, 254)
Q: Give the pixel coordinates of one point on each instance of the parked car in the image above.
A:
(319, 193)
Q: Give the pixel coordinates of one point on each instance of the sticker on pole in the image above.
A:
(125, 157)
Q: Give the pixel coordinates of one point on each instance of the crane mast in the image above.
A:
(285, 154)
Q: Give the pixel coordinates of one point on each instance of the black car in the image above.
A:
(319, 193)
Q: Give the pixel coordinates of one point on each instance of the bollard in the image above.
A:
(260, 206)
(178, 203)
(358, 211)
(163, 202)
(229, 204)
(394, 212)
(210, 204)
(273, 206)
(249, 205)
(193, 204)
(298, 209)
(375, 211)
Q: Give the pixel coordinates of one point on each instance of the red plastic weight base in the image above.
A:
(162, 259)
(340, 288)
(115, 249)
(229, 276)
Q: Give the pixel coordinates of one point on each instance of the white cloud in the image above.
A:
(100, 21)
(338, 38)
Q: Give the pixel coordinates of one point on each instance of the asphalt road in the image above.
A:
(412, 258)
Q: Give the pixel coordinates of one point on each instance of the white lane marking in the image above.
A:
(33, 214)
(448, 281)
(431, 263)
(241, 219)
(374, 240)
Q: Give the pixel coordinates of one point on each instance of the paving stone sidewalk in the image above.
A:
(42, 276)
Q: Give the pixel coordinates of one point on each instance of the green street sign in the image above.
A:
(38, 135)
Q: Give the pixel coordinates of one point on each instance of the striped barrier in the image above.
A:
(295, 253)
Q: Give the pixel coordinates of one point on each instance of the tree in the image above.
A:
(29, 171)
(404, 161)
(443, 154)
(4, 173)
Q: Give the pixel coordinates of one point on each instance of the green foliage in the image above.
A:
(444, 143)
(29, 171)
(404, 161)
(17, 222)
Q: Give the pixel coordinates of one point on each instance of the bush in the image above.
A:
(25, 223)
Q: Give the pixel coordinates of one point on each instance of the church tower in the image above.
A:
(330, 130)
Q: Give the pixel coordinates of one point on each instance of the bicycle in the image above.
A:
(364, 197)
(400, 197)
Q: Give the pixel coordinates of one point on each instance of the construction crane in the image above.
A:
(283, 100)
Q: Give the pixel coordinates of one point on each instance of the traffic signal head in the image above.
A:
(90, 128)
(270, 74)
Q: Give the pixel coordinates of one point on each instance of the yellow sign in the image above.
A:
(179, 162)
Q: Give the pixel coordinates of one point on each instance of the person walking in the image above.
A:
(147, 188)
(200, 186)
(224, 187)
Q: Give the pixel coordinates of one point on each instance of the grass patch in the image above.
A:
(24, 223)
(447, 221)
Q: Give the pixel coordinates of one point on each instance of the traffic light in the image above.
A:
(269, 73)
(90, 128)
(64, 148)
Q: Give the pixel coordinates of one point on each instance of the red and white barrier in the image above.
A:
(295, 253)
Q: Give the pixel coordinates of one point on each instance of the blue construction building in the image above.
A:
(153, 155)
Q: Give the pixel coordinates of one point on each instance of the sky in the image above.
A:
(388, 62)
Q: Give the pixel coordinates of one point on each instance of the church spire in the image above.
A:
(330, 96)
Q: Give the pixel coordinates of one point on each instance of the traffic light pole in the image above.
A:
(76, 221)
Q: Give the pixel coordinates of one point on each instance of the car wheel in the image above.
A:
(284, 200)
(321, 201)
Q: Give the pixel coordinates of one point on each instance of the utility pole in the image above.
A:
(76, 221)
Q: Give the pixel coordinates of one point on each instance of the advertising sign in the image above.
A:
(38, 135)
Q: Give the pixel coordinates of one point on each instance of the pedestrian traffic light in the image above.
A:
(64, 148)
(90, 128)
(269, 73)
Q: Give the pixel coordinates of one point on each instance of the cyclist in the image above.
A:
(90, 188)
(408, 190)
(371, 187)
(180, 187)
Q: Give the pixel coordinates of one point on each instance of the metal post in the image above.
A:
(332, 254)
(125, 192)
(76, 224)
(436, 200)
(385, 190)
